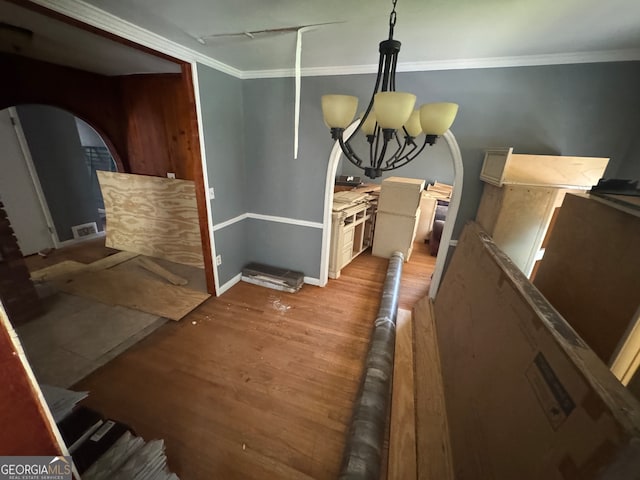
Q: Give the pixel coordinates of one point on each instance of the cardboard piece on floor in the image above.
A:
(152, 216)
(402, 437)
(64, 268)
(136, 291)
(162, 272)
(432, 429)
(526, 397)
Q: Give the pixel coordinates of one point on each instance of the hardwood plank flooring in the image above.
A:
(86, 252)
(256, 384)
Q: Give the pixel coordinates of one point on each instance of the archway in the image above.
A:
(50, 188)
(454, 205)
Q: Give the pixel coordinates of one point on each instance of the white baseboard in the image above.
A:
(312, 281)
(229, 284)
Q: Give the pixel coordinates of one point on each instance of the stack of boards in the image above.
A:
(104, 449)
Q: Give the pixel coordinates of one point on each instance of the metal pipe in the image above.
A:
(363, 451)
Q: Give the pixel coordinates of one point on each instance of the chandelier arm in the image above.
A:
(373, 159)
(394, 64)
(349, 153)
(409, 157)
(382, 154)
(375, 90)
(398, 154)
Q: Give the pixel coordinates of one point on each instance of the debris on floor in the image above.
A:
(273, 277)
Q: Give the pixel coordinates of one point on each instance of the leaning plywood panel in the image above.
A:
(152, 216)
(526, 397)
(591, 269)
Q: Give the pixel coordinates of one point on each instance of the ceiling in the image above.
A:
(57, 42)
(432, 31)
(435, 33)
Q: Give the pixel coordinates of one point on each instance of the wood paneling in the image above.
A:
(262, 385)
(198, 176)
(152, 216)
(92, 97)
(25, 428)
(590, 271)
(525, 397)
(148, 122)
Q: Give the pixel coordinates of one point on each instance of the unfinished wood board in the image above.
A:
(432, 431)
(152, 216)
(111, 261)
(526, 397)
(132, 290)
(627, 359)
(162, 272)
(402, 438)
(504, 167)
(194, 276)
(64, 268)
(590, 271)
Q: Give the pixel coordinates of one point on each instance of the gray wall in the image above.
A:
(231, 243)
(223, 125)
(88, 136)
(222, 117)
(286, 246)
(583, 110)
(57, 154)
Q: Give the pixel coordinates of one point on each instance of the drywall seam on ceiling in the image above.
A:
(98, 18)
(460, 64)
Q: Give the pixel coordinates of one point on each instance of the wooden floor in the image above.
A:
(85, 252)
(256, 384)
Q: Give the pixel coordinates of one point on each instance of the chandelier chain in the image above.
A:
(392, 18)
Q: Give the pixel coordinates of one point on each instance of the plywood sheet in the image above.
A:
(554, 170)
(526, 397)
(402, 437)
(590, 271)
(152, 216)
(136, 291)
(111, 261)
(432, 429)
(66, 267)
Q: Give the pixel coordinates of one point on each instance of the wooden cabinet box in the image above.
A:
(521, 195)
(351, 232)
(502, 166)
(395, 233)
(400, 195)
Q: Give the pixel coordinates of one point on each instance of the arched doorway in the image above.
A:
(454, 205)
(49, 185)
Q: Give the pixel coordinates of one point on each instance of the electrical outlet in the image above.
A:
(212, 194)
(171, 175)
(219, 260)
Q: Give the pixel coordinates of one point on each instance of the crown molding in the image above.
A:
(94, 16)
(460, 64)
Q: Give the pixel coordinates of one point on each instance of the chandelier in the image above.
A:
(389, 116)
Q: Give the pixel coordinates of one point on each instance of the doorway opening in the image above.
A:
(50, 188)
(454, 203)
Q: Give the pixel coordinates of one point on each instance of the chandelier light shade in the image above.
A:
(390, 123)
(338, 110)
